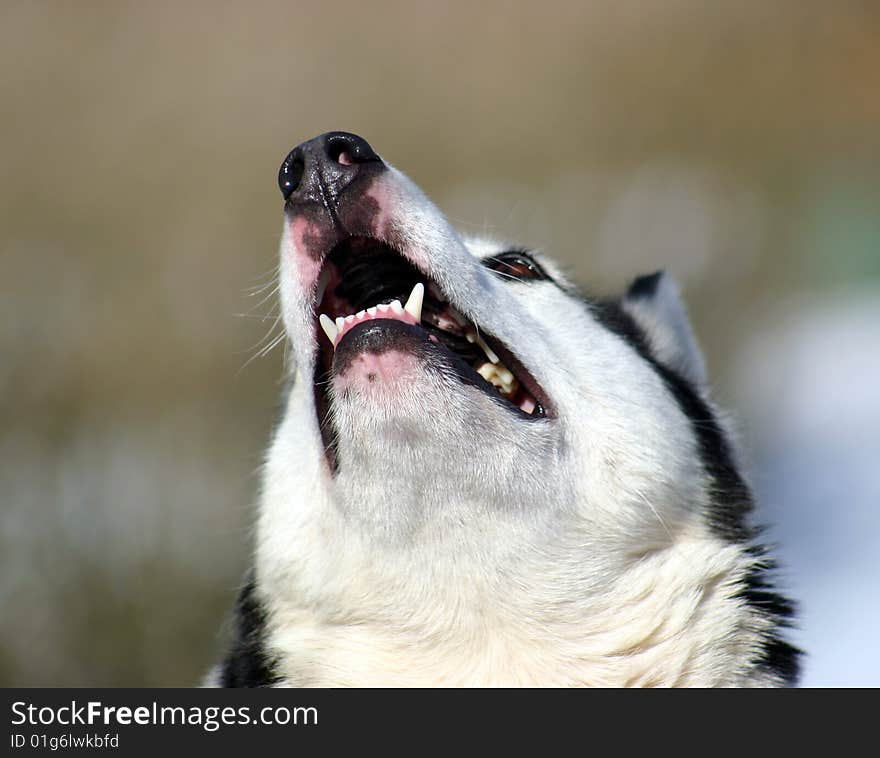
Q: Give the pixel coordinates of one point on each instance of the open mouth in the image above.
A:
(363, 280)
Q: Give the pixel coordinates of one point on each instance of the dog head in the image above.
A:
(440, 381)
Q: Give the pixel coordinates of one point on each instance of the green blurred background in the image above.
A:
(737, 144)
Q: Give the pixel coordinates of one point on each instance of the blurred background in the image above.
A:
(736, 144)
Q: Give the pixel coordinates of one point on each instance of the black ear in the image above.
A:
(653, 301)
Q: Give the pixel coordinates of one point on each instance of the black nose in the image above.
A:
(318, 170)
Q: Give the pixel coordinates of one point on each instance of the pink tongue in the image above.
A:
(382, 311)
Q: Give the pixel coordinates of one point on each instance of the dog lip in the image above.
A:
(378, 336)
(381, 335)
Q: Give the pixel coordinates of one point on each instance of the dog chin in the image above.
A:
(388, 379)
(395, 404)
(417, 451)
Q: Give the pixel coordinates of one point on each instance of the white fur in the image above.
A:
(463, 545)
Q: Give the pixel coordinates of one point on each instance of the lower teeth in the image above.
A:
(500, 377)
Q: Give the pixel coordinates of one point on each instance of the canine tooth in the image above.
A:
(396, 306)
(472, 336)
(372, 311)
(340, 323)
(414, 304)
(486, 349)
(329, 327)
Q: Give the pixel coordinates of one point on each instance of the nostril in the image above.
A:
(348, 149)
(291, 172)
(338, 151)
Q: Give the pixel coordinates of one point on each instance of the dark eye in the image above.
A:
(515, 264)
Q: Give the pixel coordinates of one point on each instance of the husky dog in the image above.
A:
(482, 477)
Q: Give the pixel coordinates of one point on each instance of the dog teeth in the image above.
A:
(414, 303)
(329, 328)
(499, 376)
(488, 351)
(490, 354)
(411, 314)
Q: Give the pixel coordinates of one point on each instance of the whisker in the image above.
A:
(265, 280)
(260, 316)
(505, 275)
(275, 342)
(272, 341)
(270, 294)
(267, 335)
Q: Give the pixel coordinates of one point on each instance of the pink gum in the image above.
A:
(382, 311)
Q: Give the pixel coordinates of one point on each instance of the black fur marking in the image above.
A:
(777, 655)
(731, 498)
(782, 658)
(760, 593)
(248, 664)
(645, 286)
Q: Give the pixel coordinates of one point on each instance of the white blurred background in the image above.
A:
(735, 144)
